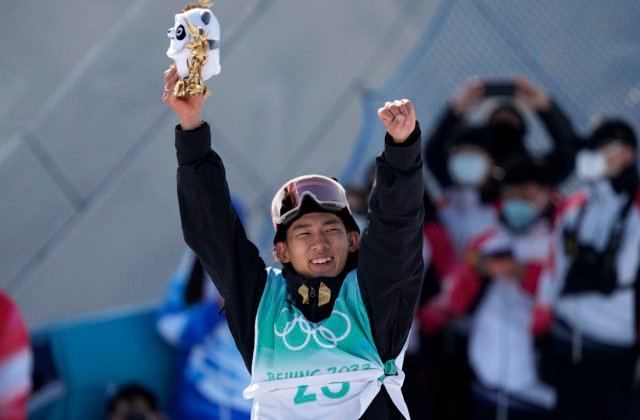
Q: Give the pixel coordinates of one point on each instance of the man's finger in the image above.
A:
(404, 108)
(385, 115)
(173, 78)
(168, 74)
(167, 97)
(170, 83)
(393, 109)
(397, 123)
(411, 109)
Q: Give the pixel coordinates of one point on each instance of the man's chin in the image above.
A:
(330, 271)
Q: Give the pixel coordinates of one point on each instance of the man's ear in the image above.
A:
(282, 252)
(354, 240)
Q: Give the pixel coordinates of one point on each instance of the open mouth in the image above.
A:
(323, 261)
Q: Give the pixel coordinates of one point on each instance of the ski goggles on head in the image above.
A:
(326, 192)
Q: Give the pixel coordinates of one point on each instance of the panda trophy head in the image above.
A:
(195, 48)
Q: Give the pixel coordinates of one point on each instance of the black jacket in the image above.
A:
(390, 265)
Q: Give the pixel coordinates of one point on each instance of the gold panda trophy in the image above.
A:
(195, 48)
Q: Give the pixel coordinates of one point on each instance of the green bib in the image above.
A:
(330, 365)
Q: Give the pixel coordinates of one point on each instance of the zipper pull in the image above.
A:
(312, 292)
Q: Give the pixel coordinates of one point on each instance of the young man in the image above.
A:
(322, 336)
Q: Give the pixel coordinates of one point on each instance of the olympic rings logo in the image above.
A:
(296, 339)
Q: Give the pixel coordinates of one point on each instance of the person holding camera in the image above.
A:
(592, 288)
(495, 286)
(325, 336)
(465, 176)
(507, 123)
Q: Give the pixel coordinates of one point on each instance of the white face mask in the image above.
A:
(590, 165)
(468, 168)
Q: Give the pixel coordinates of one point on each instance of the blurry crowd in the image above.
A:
(530, 307)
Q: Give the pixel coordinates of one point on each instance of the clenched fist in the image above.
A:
(399, 118)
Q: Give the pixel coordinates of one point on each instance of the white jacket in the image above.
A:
(501, 348)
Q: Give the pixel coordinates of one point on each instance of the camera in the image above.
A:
(499, 88)
(590, 271)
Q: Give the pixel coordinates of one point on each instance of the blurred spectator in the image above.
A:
(133, 402)
(15, 362)
(210, 372)
(507, 124)
(498, 281)
(593, 283)
(464, 173)
(466, 209)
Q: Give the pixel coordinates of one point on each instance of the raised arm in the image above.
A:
(557, 124)
(390, 269)
(210, 224)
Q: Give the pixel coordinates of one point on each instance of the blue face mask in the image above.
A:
(519, 214)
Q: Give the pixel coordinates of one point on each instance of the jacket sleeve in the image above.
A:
(564, 139)
(435, 150)
(390, 268)
(214, 232)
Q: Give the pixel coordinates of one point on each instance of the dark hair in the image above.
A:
(507, 106)
(465, 135)
(522, 169)
(130, 392)
(609, 129)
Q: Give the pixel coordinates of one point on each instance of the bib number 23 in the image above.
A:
(304, 396)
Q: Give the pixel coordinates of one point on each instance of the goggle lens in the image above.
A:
(326, 192)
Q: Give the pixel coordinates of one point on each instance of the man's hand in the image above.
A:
(530, 94)
(399, 118)
(469, 95)
(187, 108)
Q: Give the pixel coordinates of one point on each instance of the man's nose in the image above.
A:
(319, 241)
